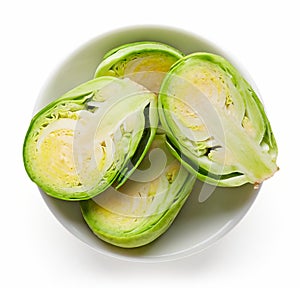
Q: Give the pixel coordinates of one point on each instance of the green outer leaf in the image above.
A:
(256, 164)
(141, 46)
(230, 180)
(77, 98)
(143, 146)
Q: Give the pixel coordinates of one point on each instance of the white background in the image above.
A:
(263, 250)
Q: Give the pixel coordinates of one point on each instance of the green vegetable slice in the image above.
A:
(215, 122)
(146, 205)
(80, 143)
(143, 62)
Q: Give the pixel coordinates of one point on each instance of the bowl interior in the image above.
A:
(199, 224)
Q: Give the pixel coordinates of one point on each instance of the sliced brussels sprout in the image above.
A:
(80, 143)
(143, 62)
(215, 122)
(146, 205)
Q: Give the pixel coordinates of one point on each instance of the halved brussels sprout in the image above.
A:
(80, 143)
(143, 62)
(146, 205)
(216, 124)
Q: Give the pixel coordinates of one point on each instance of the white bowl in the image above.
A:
(199, 223)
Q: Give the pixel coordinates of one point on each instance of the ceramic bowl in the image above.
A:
(200, 223)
